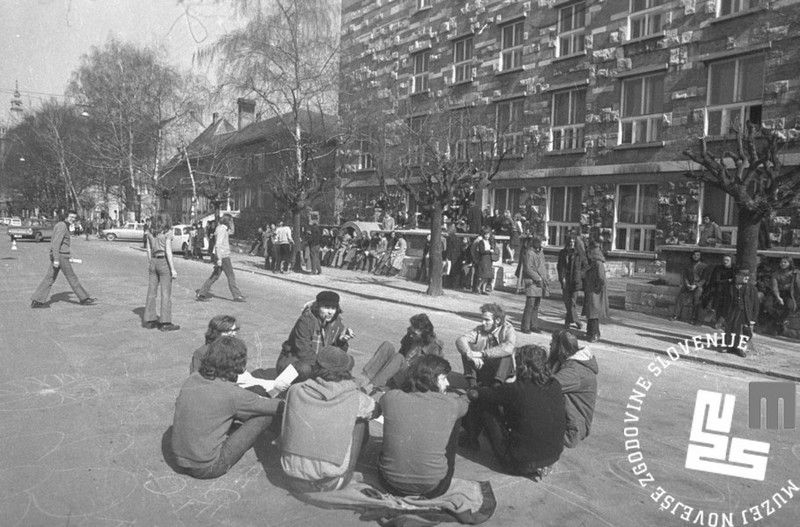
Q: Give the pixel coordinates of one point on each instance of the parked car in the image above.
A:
(5, 220)
(32, 229)
(128, 232)
(15, 221)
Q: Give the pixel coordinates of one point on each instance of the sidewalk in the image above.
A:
(775, 357)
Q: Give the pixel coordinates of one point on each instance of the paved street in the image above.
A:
(86, 396)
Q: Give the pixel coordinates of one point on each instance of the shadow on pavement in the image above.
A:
(62, 297)
(139, 312)
(166, 451)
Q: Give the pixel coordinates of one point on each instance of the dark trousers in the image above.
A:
(443, 485)
(159, 274)
(224, 267)
(593, 327)
(571, 306)
(43, 291)
(694, 296)
(530, 316)
(384, 364)
(284, 256)
(497, 433)
(234, 447)
(494, 371)
(314, 256)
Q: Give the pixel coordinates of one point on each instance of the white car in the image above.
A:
(182, 239)
(15, 221)
(128, 232)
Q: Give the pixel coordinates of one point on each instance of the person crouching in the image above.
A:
(206, 407)
(324, 425)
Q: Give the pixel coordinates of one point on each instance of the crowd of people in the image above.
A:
(528, 402)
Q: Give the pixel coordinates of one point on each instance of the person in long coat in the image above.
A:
(534, 278)
(398, 253)
(571, 268)
(485, 250)
(742, 313)
(595, 300)
(718, 293)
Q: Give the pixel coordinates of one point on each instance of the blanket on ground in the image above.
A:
(468, 502)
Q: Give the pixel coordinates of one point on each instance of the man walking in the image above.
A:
(222, 262)
(284, 241)
(314, 242)
(59, 260)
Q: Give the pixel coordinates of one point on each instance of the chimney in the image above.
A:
(247, 112)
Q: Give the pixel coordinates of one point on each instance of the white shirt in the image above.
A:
(283, 235)
(222, 246)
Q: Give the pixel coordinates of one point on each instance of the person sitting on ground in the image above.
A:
(319, 325)
(487, 356)
(575, 369)
(527, 436)
(388, 368)
(783, 285)
(420, 431)
(742, 312)
(692, 283)
(220, 325)
(206, 407)
(324, 425)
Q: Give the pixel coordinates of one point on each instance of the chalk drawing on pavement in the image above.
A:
(49, 391)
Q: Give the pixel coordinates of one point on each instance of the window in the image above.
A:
(637, 209)
(420, 81)
(506, 199)
(459, 135)
(423, 4)
(563, 213)
(646, 18)
(462, 60)
(509, 127)
(571, 22)
(722, 208)
(417, 141)
(511, 46)
(735, 91)
(729, 7)
(642, 106)
(365, 160)
(569, 116)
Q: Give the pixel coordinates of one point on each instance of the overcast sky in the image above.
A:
(42, 40)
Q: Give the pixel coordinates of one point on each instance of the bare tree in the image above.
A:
(753, 174)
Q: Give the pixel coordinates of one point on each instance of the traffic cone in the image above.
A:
(13, 244)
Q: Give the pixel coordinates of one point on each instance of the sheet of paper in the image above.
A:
(283, 381)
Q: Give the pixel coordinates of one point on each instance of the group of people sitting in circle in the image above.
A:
(528, 401)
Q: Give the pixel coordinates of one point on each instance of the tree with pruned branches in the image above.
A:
(753, 173)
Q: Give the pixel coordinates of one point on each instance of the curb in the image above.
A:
(692, 358)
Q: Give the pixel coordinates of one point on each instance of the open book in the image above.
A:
(273, 387)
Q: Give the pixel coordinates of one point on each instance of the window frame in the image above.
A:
(652, 121)
(514, 51)
(646, 15)
(513, 131)
(365, 160)
(646, 231)
(420, 78)
(424, 4)
(465, 64)
(739, 6)
(575, 34)
(574, 129)
(560, 228)
(742, 107)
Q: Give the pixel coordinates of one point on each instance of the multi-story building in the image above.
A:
(616, 90)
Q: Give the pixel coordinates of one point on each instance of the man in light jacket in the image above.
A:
(222, 262)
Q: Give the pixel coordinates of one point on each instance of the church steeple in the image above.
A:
(16, 105)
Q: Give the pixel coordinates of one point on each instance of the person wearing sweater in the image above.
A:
(420, 431)
(207, 405)
(324, 425)
(575, 369)
(219, 326)
(525, 421)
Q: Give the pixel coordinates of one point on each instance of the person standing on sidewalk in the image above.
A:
(718, 293)
(222, 262)
(284, 241)
(742, 312)
(595, 300)
(314, 242)
(161, 272)
(60, 260)
(571, 268)
(692, 284)
(534, 278)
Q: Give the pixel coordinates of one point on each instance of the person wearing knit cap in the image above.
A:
(324, 425)
(319, 325)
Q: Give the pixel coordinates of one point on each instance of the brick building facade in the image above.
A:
(615, 90)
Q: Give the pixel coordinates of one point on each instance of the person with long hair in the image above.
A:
(575, 369)
(388, 367)
(534, 279)
(527, 435)
(572, 265)
(208, 403)
(595, 300)
(161, 272)
(420, 431)
(222, 262)
(324, 425)
(219, 326)
(484, 250)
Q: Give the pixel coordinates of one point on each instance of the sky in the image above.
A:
(42, 41)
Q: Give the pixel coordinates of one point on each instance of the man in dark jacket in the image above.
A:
(572, 265)
(319, 325)
(576, 370)
(743, 312)
(314, 243)
(692, 283)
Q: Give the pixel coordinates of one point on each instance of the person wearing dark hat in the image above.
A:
(320, 325)
(324, 425)
(742, 313)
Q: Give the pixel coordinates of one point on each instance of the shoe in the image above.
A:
(199, 297)
(88, 301)
(594, 338)
(673, 317)
(485, 293)
(150, 324)
(578, 326)
(239, 299)
(737, 351)
(168, 327)
(39, 305)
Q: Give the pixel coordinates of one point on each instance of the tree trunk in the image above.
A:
(435, 255)
(296, 254)
(747, 240)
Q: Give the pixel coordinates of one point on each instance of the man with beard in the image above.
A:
(320, 325)
(387, 368)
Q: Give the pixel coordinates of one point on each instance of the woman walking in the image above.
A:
(161, 272)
